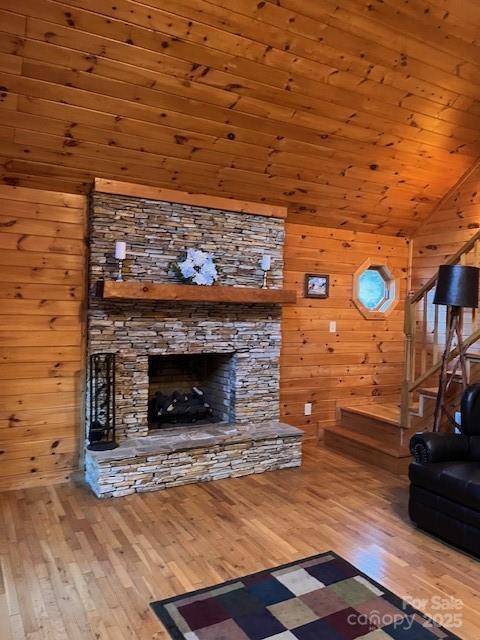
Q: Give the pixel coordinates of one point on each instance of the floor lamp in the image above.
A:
(457, 287)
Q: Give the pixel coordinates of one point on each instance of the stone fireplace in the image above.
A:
(228, 351)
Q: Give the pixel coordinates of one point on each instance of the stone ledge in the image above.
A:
(213, 453)
(184, 438)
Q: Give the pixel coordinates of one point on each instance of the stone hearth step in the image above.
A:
(185, 455)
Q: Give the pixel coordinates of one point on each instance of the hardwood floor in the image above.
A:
(76, 568)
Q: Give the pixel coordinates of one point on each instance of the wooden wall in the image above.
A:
(362, 361)
(450, 226)
(447, 229)
(355, 114)
(42, 259)
(42, 267)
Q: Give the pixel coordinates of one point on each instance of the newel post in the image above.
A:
(409, 331)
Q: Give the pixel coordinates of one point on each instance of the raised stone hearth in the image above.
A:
(180, 456)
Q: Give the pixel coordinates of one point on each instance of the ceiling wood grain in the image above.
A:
(359, 114)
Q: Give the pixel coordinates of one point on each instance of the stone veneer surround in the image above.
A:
(157, 233)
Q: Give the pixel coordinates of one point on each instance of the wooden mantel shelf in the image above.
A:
(137, 290)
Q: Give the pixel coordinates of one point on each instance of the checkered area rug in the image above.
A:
(319, 598)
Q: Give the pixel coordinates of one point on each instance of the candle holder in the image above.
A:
(120, 270)
(266, 265)
(265, 280)
(120, 255)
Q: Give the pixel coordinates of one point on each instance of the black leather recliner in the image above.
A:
(445, 479)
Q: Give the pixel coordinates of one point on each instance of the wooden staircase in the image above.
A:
(371, 433)
(380, 433)
(374, 433)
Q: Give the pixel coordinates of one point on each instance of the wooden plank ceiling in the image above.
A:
(353, 113)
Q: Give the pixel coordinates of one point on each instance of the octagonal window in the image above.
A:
(375, 289)
(372, 288)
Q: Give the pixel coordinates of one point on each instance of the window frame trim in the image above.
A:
(392, 286)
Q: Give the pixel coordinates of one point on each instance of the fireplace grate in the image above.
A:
(191, 388)
(180, 408)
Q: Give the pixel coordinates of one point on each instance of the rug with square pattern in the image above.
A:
(319, 598)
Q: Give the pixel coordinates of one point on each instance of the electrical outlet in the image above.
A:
(308, 409)
(333, 326)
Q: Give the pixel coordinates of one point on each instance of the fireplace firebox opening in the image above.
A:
(190, 389)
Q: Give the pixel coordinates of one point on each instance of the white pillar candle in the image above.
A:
(120, 250)
(266, 263)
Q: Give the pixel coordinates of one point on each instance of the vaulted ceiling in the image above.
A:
(353, 113)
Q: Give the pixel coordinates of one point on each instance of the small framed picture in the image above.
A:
(316, 285)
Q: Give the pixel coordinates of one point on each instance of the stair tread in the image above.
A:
(427, 391)
(473, 356)
(373, 443)
(388, 412)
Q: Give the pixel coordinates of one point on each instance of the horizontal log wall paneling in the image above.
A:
(362, 362)
(42, 267)
(354, 114)
(450, 226)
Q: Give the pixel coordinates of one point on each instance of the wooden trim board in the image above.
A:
(183, 197)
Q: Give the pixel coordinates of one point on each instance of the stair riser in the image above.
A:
(363, 453)
(424, 421)
(368, 426)
(473, 369)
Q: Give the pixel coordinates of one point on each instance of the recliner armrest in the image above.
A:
(439, 447)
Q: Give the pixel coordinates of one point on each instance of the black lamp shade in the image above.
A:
(457, 286)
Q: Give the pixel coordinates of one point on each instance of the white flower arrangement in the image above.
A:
(197, 267)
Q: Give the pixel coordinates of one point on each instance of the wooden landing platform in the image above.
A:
(373, 434)
(388, 412)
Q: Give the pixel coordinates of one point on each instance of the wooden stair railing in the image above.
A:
(424, 329)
